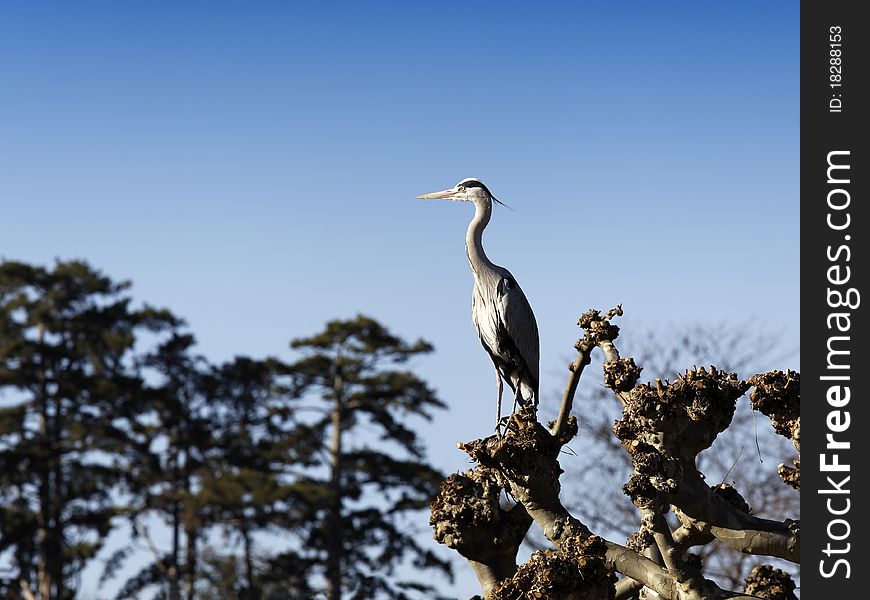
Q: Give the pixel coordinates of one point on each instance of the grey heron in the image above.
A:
(500, 311)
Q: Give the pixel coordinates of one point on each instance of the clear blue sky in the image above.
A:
(254, 166)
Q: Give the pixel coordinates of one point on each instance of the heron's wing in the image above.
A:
(516, 317)
(486, 319)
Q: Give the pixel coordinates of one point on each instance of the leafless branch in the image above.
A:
(664, 426)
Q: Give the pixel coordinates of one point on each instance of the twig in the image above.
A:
(150, 543)
(576, 369)
(589, 321)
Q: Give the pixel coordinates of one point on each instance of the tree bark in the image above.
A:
(44, 567)
(174, 591)
(335, 543)
(491, 573)
(190, 533)
(249, 563)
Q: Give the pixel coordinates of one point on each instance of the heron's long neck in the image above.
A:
(474, 238)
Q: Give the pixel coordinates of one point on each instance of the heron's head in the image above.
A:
(467, 190)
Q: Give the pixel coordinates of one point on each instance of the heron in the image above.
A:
(500, 311)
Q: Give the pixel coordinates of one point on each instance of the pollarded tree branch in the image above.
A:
(663, 427)
(526, 461)
(495, 570)
(467, 516)
(777, 395)
(665, 542)
(701, 508)
(600, 332)
(643, 542)
(766, 582)
(576, 571)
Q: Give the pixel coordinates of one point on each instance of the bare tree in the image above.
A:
(664, 427)
(740, 456)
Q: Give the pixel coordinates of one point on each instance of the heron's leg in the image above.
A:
(499, 387)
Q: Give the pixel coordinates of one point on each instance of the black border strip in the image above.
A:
(835, 223)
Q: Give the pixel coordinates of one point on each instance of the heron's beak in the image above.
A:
(439, 195)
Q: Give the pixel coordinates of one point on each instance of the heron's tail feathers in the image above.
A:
(527, 392)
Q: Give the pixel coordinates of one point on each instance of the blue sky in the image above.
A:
(254, 166)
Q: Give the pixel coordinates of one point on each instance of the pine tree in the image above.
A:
(244, 492)
(173, 449)
(213, 456)
(370, 467)
(70, 393)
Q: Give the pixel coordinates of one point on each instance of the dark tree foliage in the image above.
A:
(211, 457)
(369, 467)
(172, 447)
(275, 578)
(247, 488)
(250, 479)
(69, 395)
(247, 448)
